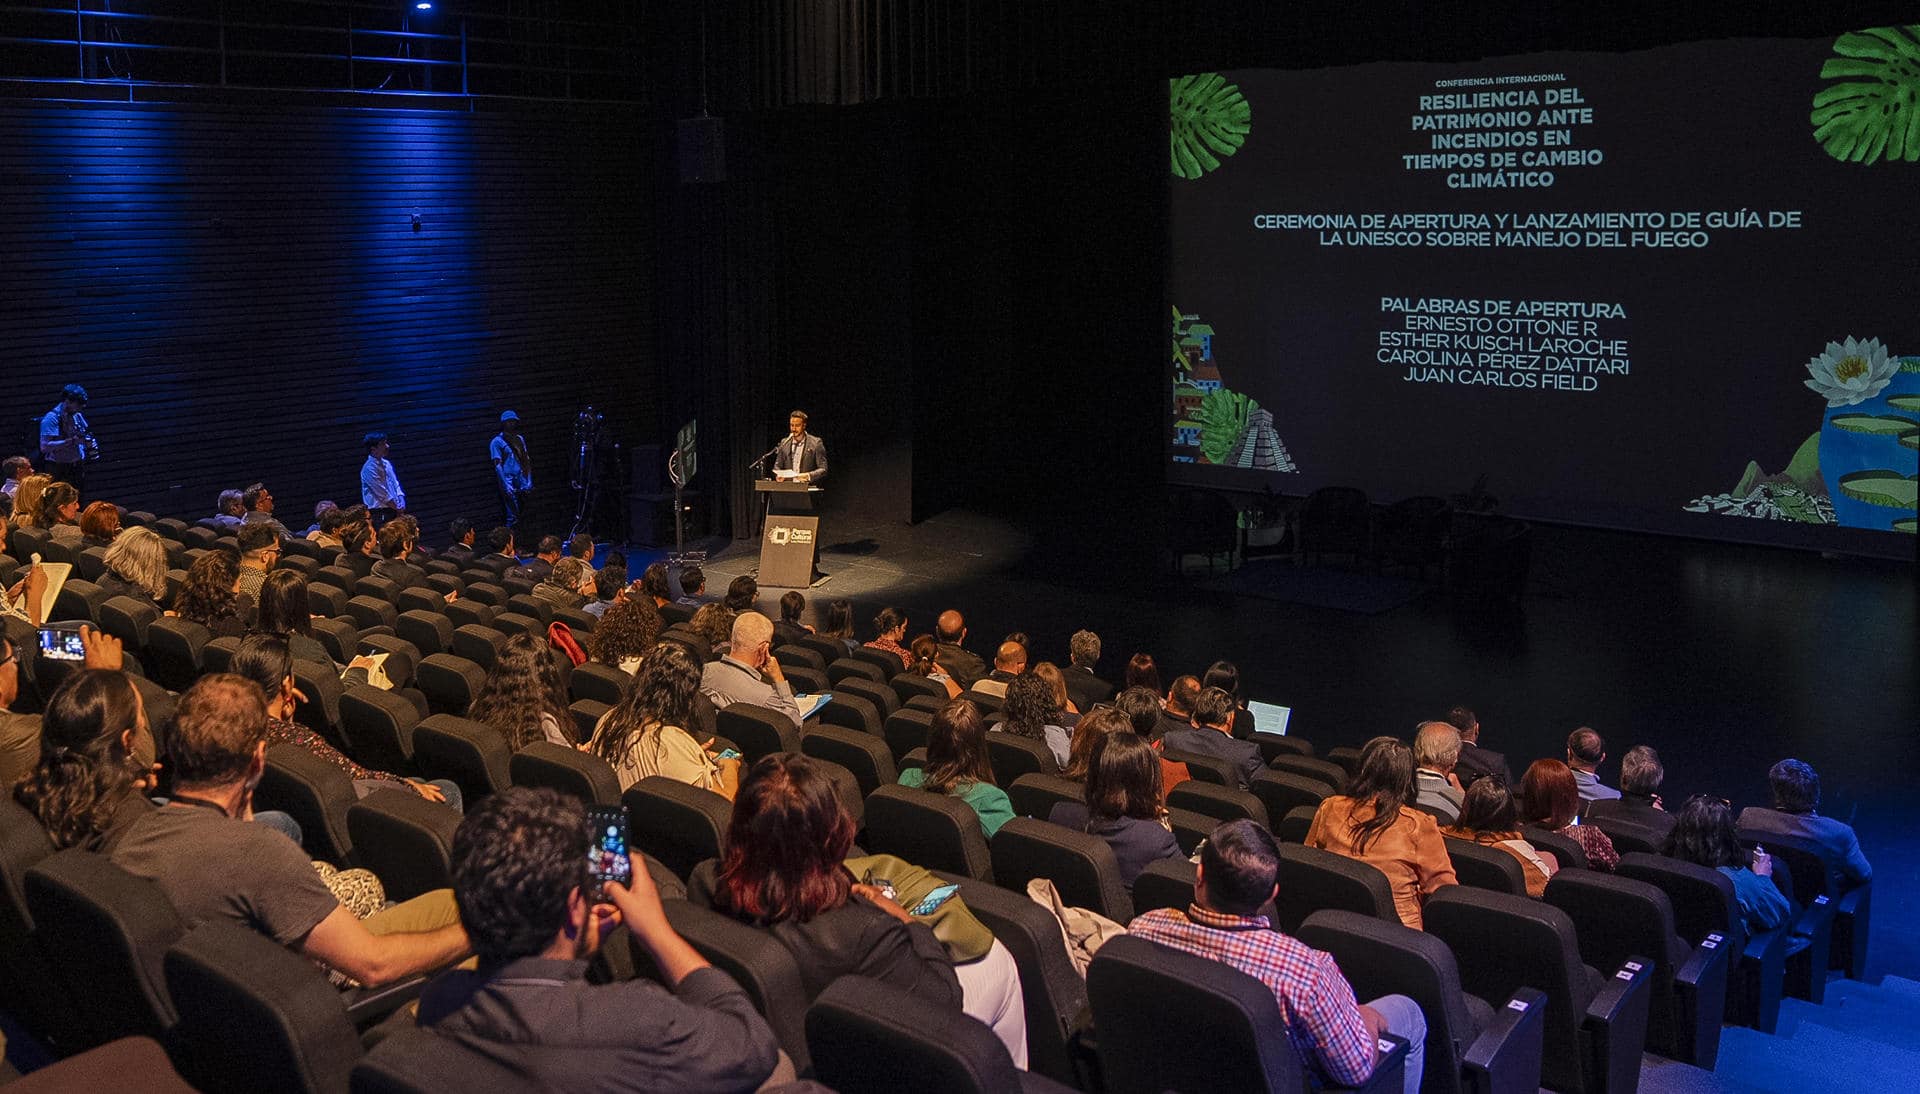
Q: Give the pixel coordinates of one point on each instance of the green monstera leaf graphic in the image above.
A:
(1210, 119)
(1223, 417)
(1874, 112)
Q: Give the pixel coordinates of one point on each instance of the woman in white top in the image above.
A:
(646, 735)
(522, 697)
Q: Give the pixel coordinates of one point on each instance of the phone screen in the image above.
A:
(729, 754)
(932, 901)
(607, 854)
(61, 645)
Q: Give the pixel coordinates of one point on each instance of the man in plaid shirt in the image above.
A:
(1334, 1035)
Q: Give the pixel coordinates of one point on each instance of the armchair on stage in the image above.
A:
(789, 537)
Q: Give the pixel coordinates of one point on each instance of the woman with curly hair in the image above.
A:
(626, 632)
(522, 699)
(137, 567)
(1033, 712)
(1065, 714)
(713, 624)
(920, 662)
(211, 598)
(96, 761)
(652, 731)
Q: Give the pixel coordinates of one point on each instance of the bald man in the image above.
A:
(749, 673)
(959, 663)
(1009, 661)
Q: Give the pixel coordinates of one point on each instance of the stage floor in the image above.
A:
(1725, 658)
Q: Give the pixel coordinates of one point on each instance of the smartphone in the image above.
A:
(932, 901)
(607, 855)
(729, 754)
(62, 644)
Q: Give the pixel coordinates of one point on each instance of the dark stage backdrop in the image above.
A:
(246, 292)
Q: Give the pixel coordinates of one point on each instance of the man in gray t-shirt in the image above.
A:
(213, 864)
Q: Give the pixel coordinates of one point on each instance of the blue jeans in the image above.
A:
(1405, 1021)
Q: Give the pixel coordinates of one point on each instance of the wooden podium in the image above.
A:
(789, 535)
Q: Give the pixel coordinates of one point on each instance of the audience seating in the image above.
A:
(449, 682)
(757, 731)
(806, 681)
(1189, 828)
(1282, 792)
(1813, 874)
(128, 620)
(863, 754)
(1327, 771)
(314, 793)
(321, 710)
(218, 656)
(1205, 769)
(906, 685)
(568, 770)
(419, 599)
(1486, 867)
(174, 648)
(326, 599)
(906, 730)
(406, 840)
(472, 754)
(1081, 866)
(478, 644)
(340, 637)
(845, 667)
(130, 1062)
(1471, 1045)
(601, 683)
(989, 704)
(1596, 1025)
(1627, 836)
(1808, 953)
(429, 631)
(1170, 1020)
(372, 611)
(884, 699)
(1012, 756)
(466, 610)
(378, 588)
(1293, 827)
(26, 967)
(934, 831)
(678, 824)
(755, 959)
(792, 655)
(529, 605)
(1347, 758)
(1273, 745)
(511, 623)
(1565, 849)
(854, 712)
(1168, 883)
(109, 931)
(1035, 795)
(1703, 906)
(1219, 802)
(1313, 880)
(586, 718)
(887, 662)
(256, 1016)
(1616, 918)
(79, 599)
(90, 563)
(379, 726)
(866, 1037)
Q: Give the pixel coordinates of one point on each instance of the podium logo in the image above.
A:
(781, 536)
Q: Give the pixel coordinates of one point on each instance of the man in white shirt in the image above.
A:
(13, 471)
(737, 677)
(379, 486)
(510, 463)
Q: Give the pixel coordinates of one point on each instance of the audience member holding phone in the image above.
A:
(524, 882)
(785, 870)
(649, 733)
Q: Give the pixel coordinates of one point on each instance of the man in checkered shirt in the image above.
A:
(1333, 1034)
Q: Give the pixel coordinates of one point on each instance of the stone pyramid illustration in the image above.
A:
(1259, 446)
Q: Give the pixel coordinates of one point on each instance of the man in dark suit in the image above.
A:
(1796, 800)
(1083, 687)
(1638, 805)
(501, 555)
(541, 564)
(1475, 761)
(1177, 711)
(1211, 735)
(801, 452)
(461, 550)
(959, 662)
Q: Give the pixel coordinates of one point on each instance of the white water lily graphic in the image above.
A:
(1851, 372)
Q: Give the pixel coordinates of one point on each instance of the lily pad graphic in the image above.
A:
(1911, 440)
(1888, 488)
(1876, 423)
(1904, 402)
(1210, 119)
(1874, 111)
(1904, 526)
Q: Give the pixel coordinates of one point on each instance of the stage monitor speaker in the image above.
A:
(700, 149)
(650, 518)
